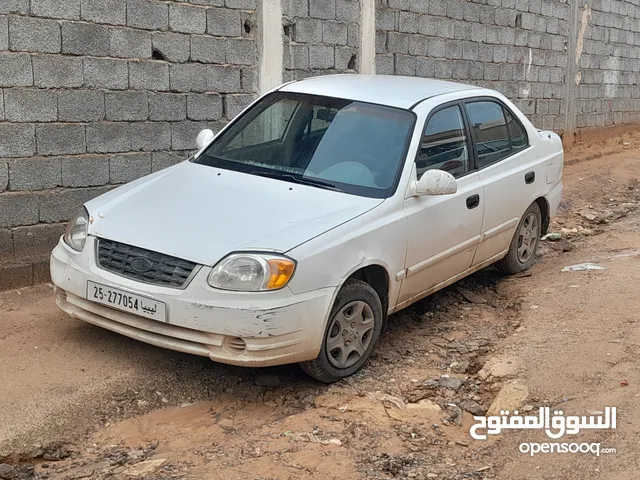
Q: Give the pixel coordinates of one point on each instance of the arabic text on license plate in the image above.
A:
(126, 301)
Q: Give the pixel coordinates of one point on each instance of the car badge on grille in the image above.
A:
(141, 265)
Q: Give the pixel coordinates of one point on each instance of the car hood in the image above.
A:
(201, 213)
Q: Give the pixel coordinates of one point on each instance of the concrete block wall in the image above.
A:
(320, 37)
(517, 47)
(609, 62)
(96, 93)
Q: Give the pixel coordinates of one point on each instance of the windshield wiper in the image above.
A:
(314, 182)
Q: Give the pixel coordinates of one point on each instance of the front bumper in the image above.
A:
(247, 329)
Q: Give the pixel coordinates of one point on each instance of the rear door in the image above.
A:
(508, 169)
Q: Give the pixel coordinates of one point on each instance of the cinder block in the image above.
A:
(243, 4)
(241, 52)
(60, 139)
(105, 137)
(476, 71)
(4, 176)
(207, 49)
(174, 47)
(428, 25)
(59, 205)
(149, 75)
(500, 53)
(188, 78)
(150, 136)
(4, 33)
(17, 140)
(36, 240)
(418, 45)
(81, 105)
(187, 18)
(170, 107)
(15, 275)
(408, 22)
(206, 106)
(129, 43)
(67, 9)
(385, 64)
(224, 22)
(348, 10)
(14, 6)
(478, 33)
(30, 105)
(460, 70)
(234, 104)
(308, 30)
(437, 48)
(353, 35)
(249, 80)
(85, 39)
(183, 134)
(106, 73)
(56, 71)
(128, 167)
(454, 49)
(6, 245)
(111, 12)
(425, 67)
(126, 106)
(334, 33)
(446, 28)
(85, 171)
(27, 34)
(398, 42)
(406, 65)
(325, 9)
(34, 173)
(147, 14)
(162, 160)
(18, 209)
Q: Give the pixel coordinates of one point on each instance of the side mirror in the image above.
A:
(435, 182)
(204, 138)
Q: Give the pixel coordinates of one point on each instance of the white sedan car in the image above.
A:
(325, 206)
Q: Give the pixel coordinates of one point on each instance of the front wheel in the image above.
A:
(353, 330)
(522, 251)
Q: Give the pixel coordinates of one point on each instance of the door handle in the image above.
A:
(473, 201)
(529, 177)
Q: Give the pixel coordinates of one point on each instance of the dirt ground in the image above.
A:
(80, 402)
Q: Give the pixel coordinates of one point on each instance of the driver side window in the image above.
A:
(444, 143)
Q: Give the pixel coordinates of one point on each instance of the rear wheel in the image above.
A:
(522, 251)
(353, 330)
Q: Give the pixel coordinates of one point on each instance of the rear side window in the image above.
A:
(490, 132)
(517, 132)
(444, 143)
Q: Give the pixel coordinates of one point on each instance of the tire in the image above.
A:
(353, 296)
(514, 262)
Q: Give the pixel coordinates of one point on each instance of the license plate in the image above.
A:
(128, 302)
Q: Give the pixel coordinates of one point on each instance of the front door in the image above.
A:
(443, 230)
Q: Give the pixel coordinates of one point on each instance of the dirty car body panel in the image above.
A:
(314, 182)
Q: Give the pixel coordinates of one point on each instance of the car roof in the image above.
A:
(391, 90)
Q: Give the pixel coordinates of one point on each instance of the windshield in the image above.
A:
(325, 142)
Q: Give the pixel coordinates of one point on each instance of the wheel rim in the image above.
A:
(527, 237)
(350, 334)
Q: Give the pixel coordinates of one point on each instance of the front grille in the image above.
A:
(129, 261)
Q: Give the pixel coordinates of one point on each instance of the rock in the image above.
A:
(460, 367)
(432, 475)
(143, 469)
(473, 408)
(7, 472)
(498, 368)
(471, 296)
(510, 397)
(226, 423)
(268, 380)
(452, 383)
(425, 405)
(335, 441)
(455, 414)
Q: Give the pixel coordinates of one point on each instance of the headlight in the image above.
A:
(252, 272)
(76, 234)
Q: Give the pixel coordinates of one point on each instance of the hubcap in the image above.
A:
(527, 237)
(350, 334)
